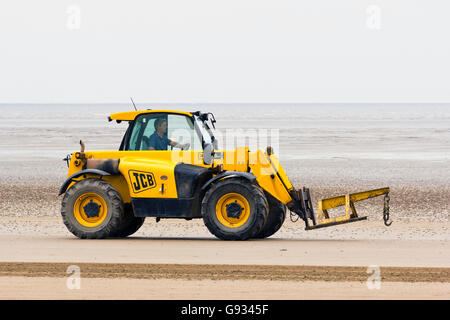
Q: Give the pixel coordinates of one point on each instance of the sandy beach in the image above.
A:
(178, 259)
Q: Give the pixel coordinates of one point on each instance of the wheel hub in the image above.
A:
(91, 209)
(234, 210)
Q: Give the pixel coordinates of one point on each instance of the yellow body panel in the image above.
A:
(267, 176)
(131, 115)
(149, 170)
(160, 164)
(283, 176)
(234, 160)
(145, 177)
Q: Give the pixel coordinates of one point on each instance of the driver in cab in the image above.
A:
(159, 141)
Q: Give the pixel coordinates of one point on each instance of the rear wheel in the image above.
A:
(275, 218)
(92, 209)
(129, 224)
(234, 209)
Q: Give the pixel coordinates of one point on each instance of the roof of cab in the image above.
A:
(131, 115)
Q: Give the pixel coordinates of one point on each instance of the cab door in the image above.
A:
(158, 137)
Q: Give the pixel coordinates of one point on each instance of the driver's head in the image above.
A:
(161, 125)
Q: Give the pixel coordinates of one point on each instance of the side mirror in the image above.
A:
(208, 154)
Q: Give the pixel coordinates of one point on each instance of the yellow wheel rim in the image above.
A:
(90, 210)
(231, 204)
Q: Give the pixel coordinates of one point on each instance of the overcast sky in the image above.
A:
(224, 51)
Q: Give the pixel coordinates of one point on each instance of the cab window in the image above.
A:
(162, 131)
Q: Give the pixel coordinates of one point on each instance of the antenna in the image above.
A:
(133, 103)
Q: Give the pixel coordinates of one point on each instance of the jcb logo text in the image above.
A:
(141, 181)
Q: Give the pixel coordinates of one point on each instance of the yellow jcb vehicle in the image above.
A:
(169, 166)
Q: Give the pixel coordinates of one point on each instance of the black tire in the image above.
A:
(114, 213)
(275, 218)
(129, 224)
(258, 209)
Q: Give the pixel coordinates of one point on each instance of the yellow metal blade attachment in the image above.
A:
(348, 201)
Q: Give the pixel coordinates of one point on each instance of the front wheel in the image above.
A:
(234, 209)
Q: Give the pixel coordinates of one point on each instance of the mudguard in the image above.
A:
(66, 184)
(229, 174)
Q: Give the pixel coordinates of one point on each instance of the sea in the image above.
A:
(296, 131)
